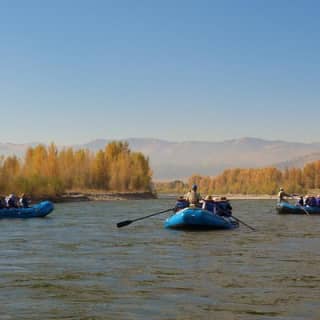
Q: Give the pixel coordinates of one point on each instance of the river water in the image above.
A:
(76, 264)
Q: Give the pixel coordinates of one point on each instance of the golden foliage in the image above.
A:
(46, 171)
(252, 181)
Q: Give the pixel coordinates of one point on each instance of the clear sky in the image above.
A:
(72, 70)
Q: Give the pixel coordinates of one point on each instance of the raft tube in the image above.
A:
(37, 211)
(196, 218)
(288, 208)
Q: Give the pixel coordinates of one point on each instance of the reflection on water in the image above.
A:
(75, 264)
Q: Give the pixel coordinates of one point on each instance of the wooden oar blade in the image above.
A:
(123, 223)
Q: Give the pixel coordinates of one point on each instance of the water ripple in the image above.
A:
(77, 265)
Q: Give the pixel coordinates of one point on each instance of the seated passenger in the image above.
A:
(318, 200)
(224, 207)
(181, 204)
(311, 201)
(11, 201)
(23, 202)
(2, 204)
(193, 197)
(209, 204)
(300, 201)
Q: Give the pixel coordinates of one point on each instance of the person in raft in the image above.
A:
(310, 201)
(224, 207)
(209, 204)
(181, 204)
(23, 201)
(2, 203)
(282, 195)
(318, 200)
(11, 201)
(193, 197)
(300, 201)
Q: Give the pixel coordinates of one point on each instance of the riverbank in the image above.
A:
(101, 196)
(78, 196)
(228, 196)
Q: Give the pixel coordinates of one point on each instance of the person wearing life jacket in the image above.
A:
(311, 201)
(209, 204)
(2, 203)
(23, 201)
(282, 195)
(318, 200)
(181, 204)
(300, 201)
(193, 197)
(11, 201)
(224, 207)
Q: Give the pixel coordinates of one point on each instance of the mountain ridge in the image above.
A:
(178, 160)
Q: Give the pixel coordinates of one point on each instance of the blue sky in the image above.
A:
(72, 71)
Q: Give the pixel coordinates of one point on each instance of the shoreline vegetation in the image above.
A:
(123, 196)
(250, 181)
(99, 196)
(117, 173)
(228, 196)
(48, 173)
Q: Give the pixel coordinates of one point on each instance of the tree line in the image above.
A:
(251, 181)
(47, 171)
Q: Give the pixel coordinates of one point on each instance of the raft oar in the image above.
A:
(127, 222)
(302, 208)
(240, 221)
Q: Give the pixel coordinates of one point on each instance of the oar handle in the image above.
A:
(151, 215)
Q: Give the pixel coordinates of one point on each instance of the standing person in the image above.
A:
(282, 195)
(193, 197)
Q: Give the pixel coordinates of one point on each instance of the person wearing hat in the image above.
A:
(193, 197)
(282, 195)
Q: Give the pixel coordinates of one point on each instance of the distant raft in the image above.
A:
(39, 210)
(199, 219)
(288, 208)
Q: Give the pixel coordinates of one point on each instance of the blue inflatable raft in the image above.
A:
(196, 218)
(37, 211)
(288, 208)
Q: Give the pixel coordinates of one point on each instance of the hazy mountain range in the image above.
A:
(178, 160)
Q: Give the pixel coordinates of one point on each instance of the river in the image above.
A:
(76, 264)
